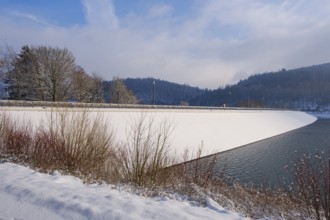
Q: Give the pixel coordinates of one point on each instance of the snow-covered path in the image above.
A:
(27, 194)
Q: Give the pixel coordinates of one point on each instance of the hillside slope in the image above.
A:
(304, 88)
(166, 93)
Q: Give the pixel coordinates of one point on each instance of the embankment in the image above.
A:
(215, 128)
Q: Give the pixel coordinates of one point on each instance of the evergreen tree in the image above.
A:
(96, 89)
(41, 73)
(18, 77)
(81, 85)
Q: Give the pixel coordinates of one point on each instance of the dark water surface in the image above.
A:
(264, 162)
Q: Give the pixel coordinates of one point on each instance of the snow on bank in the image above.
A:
(216, 129)
(27, 194)
(321, 115)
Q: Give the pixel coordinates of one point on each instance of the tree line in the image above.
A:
(164, 92)
(305, 88)
(44, 73)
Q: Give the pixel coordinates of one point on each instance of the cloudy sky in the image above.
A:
(205, 43)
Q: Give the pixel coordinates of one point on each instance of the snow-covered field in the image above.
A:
(27, 194)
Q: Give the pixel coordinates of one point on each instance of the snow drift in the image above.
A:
(29, 195)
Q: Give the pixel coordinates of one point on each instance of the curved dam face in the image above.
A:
(216, 130)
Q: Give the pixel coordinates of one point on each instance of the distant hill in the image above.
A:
(166, 93)
(306, 88)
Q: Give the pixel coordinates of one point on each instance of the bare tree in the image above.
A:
(81, 85)
(56, 65)
(147, 151)
(97, 88)
(120, 93)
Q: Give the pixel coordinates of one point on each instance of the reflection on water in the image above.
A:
(264, 162)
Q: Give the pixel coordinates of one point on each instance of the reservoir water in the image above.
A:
(264, 162)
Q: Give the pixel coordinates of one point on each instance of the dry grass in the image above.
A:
(87, 142)
(49, 152)
(199, 170)
(16, 138)
(73, 142)
(146, 151)
(258, 203)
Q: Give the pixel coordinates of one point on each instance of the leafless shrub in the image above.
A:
(77, 142)
(18, 140)
(49, 152)
(16, 137)
(198, 170)
(3, 125)
(146, 151)
(193, 178)
(82, 142)
(199, 180)
(311, 186)
(257, 202)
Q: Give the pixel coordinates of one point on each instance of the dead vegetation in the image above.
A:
(311, 186)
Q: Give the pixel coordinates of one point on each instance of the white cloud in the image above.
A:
(160, 10)
(220, 42)
(100, 13)
(31, 17)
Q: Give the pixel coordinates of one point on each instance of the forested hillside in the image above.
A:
(306, 88)
(166, 93)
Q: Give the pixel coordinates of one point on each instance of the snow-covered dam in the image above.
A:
(216, 129)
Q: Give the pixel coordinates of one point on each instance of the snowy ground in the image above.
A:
(26, 194)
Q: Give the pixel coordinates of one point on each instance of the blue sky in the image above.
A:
(205, 43)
